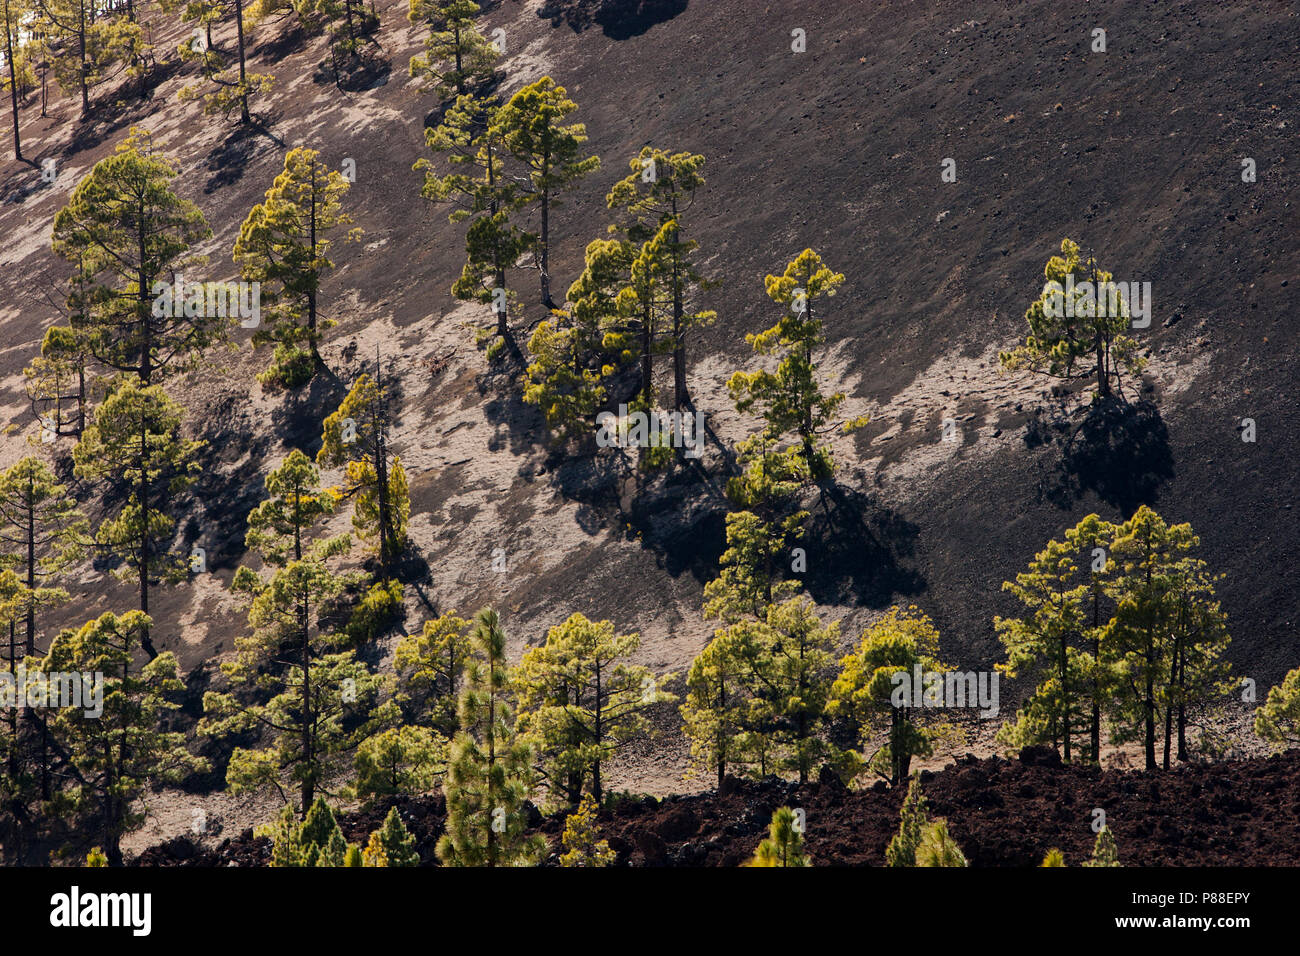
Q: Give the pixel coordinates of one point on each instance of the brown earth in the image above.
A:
(1001, 812)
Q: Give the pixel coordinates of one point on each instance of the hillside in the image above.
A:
(1135, 153)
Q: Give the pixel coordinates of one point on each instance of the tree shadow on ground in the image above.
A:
(224, 496)
(300, 419)
(856, 551)
(368, 69)
(1119, 452)
(618, 19)
(228, 160)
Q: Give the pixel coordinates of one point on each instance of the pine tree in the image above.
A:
(41, 522)
(1278, 720)
(295, 503)
(1092, 539)
(938, 848)
(404, 760)
(657, 197)
(1065, 335)
(581, 348)
(784, 843)
(56, 381)
(136, 449)
(789, 398)
(866, 693)
(581, 844)
(1041, 643)
(715, 707)
(26, 775)
(127, 233)
(373, 855)
(118, 753)
(291, 678)
(914, 817)
(645, 303)
(398, 844)
(315, 841)
(582, 701)
(1104, 851)
(429, 666)
(531, 130)
(82, 44)
(356, 438)
(12, 13)
(348, 23)
(795, 684)
(1168, 633)
(490, 776)
(479, 191)
(234, 85)
(456, 55)
(283, 244)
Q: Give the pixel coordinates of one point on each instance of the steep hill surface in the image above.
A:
(1135, 152)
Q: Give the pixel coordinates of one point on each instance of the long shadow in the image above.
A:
(618, 19)
(1119, 452)
(300, 419)
(367, 70)
(224, 497)
(230, 158)
(283, 42)
(856, 551)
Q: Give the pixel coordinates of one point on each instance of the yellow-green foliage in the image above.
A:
(784, 843)
(581, 844)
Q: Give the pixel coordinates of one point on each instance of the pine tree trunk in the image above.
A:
(243, 90)
(146, 637)
(13, 81)
(1065, 698)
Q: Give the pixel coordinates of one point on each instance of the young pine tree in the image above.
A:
(42, 527)
(580, 349)
(657, 197)
(57, 381)
(784, 843)
(356, 438)
(1278, 719)
(914, 818)
(582, 845)
(938, 848)
(1066, 336)
(490, 776)
(1042, 642)
(790, 399)
(716, 706)
(1092, 539)
(399, 761)
(228, 85)
(429, 667)
(398, 844)
(1104, 851)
